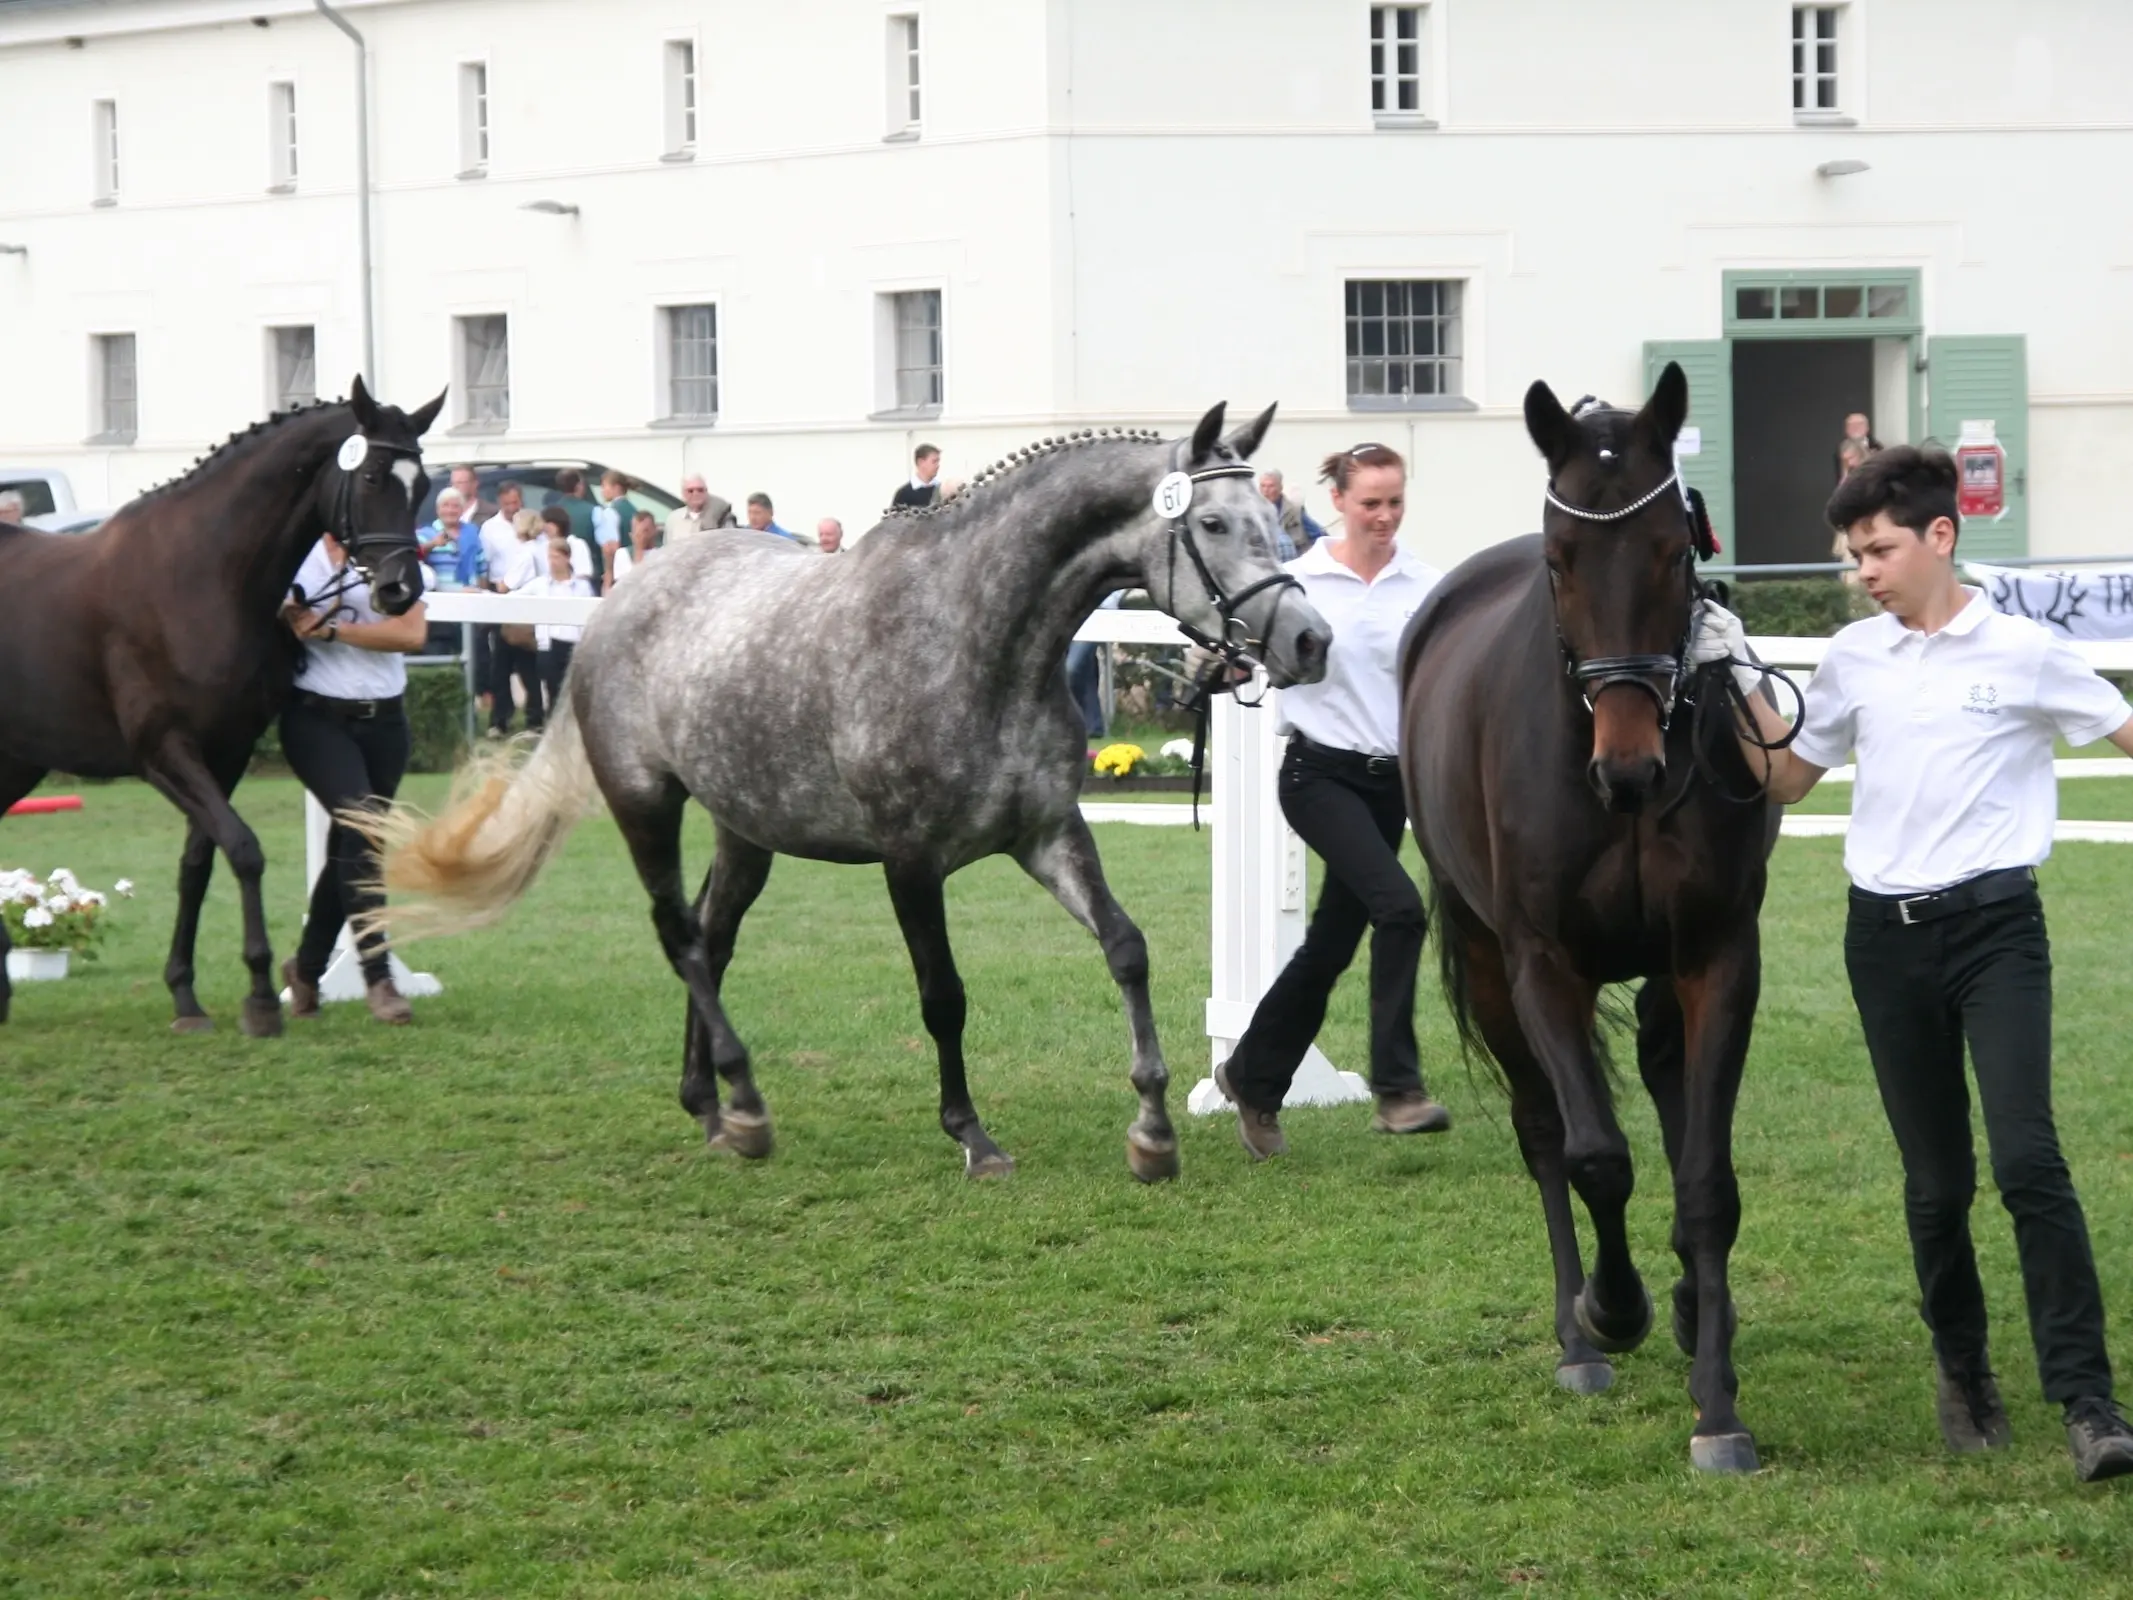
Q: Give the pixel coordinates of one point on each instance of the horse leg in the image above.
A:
(738, 872)
(1662, 1061)
(1539, 1124)
(16, 781)
(178, 773)
(1718, 1014)
(1066, 863)
(195, 867)
(1555, 1011)
(922, 913)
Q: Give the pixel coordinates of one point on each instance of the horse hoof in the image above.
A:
(745, 1135)
(992, 1164)
(1585, 1377)
(201, 1023)
(261, 1019)
(1613, 1344)
(1724, 1452)
(1151, 1160)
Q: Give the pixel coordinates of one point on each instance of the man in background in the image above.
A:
(760, 518)
(11, 508)
(1297, 528)
(473, 508)
(829, 536)
(616, 517)
(1857, 446)
(699, 510)
(924, 487)
(577, 505)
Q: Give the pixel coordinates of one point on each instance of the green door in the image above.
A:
(1975, 378)
(1708, 365)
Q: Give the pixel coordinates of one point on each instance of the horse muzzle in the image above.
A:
(1626, 784)
(396, 582)
(1296, 649)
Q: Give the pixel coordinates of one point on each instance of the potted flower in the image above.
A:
(49, 921)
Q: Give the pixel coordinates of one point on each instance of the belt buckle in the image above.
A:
(364, 710)
(1903, 908)
(1377, 766)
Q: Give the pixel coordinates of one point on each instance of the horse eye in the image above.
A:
(1211, 524)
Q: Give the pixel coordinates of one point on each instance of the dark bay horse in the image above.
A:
(904, 703)
(1583, 825)
(154, 645)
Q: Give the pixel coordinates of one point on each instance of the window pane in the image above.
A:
(1377, 22)
(1799, 23)
(1888, 300)
(1754, 305)
(1408, 17)
(1410, 95)
(1794, 304)
(1373, 299)
(1826, 23)
(1841, 302)
(1826, 95)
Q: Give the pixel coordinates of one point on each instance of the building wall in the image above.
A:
(1131, 211)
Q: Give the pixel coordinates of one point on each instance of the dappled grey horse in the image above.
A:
(904, 703)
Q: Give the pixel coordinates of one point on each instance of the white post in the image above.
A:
(1259, 903)
(343, 979)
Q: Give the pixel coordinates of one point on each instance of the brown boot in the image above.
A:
(388, 1004)
(1409, 1111)
(303, 997)
(1258, 1131)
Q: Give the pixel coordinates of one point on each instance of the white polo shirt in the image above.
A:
(1356, 706)
(341, 671)
(1952, 732)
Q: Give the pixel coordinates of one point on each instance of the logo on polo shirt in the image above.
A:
(1984, 700)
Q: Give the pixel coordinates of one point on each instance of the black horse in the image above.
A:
(154, 645)
(1586, 820)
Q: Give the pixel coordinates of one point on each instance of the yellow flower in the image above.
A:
(1119, 760)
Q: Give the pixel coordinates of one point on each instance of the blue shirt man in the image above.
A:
(760, 519)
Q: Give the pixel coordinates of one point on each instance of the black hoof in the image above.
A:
(1612, 1343)
(1724, 1452)
(746, 1134)
(261, 1019)
(1585, 1377)
(199, 1022)
(1684, 1321)
(1151, 1160)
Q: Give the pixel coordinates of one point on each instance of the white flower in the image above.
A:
(123, 888)
(63, 880)
(1178, 749)
(59, 905)
(89, 898)
(37, 917)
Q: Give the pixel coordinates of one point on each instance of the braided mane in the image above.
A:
(236, 444)
(1014, 460)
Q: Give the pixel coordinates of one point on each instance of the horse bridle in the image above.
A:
(1647, 672)
(1238, 650)
(344, 531)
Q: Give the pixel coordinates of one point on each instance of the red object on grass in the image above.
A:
(44, 804)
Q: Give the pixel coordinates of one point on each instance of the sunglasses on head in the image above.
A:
(1358, 452)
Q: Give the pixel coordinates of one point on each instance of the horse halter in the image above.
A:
(1647, 672)
(1238, 649)
(343, 525)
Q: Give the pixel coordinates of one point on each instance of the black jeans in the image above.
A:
(344, 762)
(555, 661)
(508, 661)
(1354, 819)
(1984, 975)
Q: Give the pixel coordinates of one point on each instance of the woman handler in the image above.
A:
(1340, 790)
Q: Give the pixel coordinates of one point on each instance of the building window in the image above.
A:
(914, 327)
(105, 153)
(293, 354)
(281, 136)
(473, 119)
(681, 96)
(692, 361)
(904, 102)
(1404, 340)
(117, 413)
(1399, 65)
(1870, 304)
(1814, 61)
(485, 370)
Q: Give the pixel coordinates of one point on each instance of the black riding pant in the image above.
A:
(1983, 976)
(1353, 817)
(345, 761)
(555, 661)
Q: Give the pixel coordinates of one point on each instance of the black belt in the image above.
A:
(1986, 889)
(350, 710)
(1350, 760)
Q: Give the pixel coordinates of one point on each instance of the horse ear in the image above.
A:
(1550, 427)
(1204, 436)
(419, 422)
(1659, 423)
(1246, 439)
(360, 402)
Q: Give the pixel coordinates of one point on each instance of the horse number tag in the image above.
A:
(355, 449)
(1173, 495)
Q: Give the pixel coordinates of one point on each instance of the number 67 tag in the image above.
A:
(1173, 496)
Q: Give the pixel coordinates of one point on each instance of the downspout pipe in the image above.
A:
(370, 337)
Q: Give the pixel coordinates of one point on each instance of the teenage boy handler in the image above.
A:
(1949, 708)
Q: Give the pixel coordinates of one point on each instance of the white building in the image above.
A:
(781, 243)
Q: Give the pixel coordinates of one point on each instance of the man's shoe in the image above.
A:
(303, 997)
(388, 1004)
(1409, 1111)
(2098, 1436)
(1258, 1131)
(1972, 1418)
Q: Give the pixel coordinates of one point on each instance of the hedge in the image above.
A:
(436, 714)
(1797, 608)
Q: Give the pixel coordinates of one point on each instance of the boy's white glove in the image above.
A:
(1719, 636)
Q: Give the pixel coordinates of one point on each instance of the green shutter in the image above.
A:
(1969, 378)
(1708, 365)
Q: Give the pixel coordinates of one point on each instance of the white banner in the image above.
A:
(2094, 603)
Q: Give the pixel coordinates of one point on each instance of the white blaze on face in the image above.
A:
(407, 472)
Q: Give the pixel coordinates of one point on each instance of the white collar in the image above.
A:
(1975, 610)
(923, 484)
(1320, 559)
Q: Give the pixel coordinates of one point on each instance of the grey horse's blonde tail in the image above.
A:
(509, 814)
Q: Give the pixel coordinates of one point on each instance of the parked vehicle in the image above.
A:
(537, 480)
(76, 521)
(44, 490)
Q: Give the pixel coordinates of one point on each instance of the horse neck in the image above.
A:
(264, 505)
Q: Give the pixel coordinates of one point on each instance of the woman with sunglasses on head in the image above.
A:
(345, 736)
(1340, 790)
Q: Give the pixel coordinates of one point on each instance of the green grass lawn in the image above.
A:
(467, 1309)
